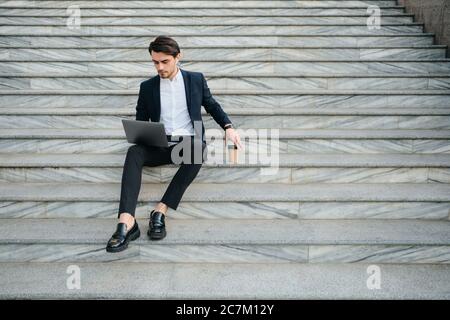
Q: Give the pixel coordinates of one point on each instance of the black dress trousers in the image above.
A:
(139, 156)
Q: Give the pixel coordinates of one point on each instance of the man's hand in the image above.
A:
(232, 135)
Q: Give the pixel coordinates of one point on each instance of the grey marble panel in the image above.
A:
(154, 30)
(219, 41)
(401, 54)
(196, 4)
(229, 253)
(431, 146)
(225, 20)
(374, 210)
(440, 175)
(286, 146)
(349, 146)
(360, 175)
(155, 253)
(322, 68)
(221, 54)
(379, 254)
(243, 122)
(186, 210)
(228, 175)
(159, 12)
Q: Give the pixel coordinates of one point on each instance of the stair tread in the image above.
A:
(133, 92)
(218, 23)
(231, 75)
(221, 231)
(263, 111)
(231, 46)
(223, 281)
(285, 160)
(47, 133)
(206, 192)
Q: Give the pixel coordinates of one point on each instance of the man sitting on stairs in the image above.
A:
(173, 97)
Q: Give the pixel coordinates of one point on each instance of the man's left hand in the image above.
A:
(232, 135)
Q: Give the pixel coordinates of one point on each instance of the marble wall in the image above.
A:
(436, 16)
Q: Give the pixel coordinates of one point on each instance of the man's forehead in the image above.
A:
(162, 58)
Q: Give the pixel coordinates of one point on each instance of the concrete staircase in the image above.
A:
(364, 175)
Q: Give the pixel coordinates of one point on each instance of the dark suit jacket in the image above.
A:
(197, 94)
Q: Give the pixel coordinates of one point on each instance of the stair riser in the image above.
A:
(221, 54)
(233, 210)
(199, 12)
(231, 101)
(297, 146)
(321, 68)
(244, 83)
(205, 4)
(218, 41)
(242, 122)
(230, 175)
(208, 30)
(157, 253)
(225, 20)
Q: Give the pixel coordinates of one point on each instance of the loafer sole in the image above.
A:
(157, 236)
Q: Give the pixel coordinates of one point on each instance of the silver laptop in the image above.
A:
(145, 132)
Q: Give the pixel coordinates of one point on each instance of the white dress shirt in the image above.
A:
(174, 111)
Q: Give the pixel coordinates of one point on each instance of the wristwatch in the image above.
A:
(228, 126)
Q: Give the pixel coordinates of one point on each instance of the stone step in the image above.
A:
(223, 281)
(232, 232)
(292, 169)
(207, 20)
(231, 100)
(408, 39)
(288, 121)
(224, 54)
(98, 92)
(214, 172)
(316, 67)
(231, 241)
(201, 11)
(197, 4)
(268, 209)
(285, 161)
(311, 192)
(283, 141)
(237, 83)
(234, 112)
(274, 30)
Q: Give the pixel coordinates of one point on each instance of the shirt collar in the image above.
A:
(177, 77)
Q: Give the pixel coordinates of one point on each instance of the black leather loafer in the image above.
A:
(120, 239)
(157, 226)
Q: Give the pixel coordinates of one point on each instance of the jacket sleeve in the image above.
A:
(141, 107)
(213, 107)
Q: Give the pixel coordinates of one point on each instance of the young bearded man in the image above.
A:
(173, 97)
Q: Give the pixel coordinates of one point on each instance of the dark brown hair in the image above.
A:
(164, 44)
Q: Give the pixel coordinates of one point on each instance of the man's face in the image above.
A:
(165, 64)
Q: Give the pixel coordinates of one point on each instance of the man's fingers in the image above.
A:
(238, 142)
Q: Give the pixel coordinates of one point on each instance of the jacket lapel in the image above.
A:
(157, 100)
(187, 88)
